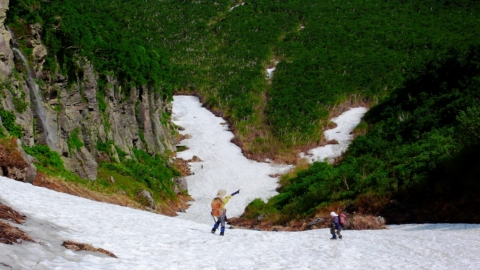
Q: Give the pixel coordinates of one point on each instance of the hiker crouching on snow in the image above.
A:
(335, 225)
(219, 211)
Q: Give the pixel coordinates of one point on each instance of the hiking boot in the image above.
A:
(221, 233)
(340, 236)
(334, 237)
(213, 230)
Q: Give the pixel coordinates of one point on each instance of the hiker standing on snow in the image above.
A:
(335, 225)
(219, 211)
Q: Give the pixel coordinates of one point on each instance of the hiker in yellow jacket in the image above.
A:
(219, 211)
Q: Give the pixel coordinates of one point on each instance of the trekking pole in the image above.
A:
(213, 218)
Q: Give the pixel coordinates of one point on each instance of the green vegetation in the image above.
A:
(417, 60)
(8, 121)
(142, 173)
(48, 159)
(422, 146)
(328, 51)
(148, 170)
(73, 141)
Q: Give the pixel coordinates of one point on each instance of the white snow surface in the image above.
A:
(144, 240)
(223, 165)
(346, 122)
(237, 5)
(270, 72)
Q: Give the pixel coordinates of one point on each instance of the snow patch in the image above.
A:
(346, 123)
(223, 165)
(237, 5)
(271, 70)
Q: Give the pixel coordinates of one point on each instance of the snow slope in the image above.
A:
(223, 165)
(346, 123)
(143, 240)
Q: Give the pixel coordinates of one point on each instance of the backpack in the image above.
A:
(216, 207)
(342, 219)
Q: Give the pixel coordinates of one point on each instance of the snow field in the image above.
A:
(224, 166)
(143, 240)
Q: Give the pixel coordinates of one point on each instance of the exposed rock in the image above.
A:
(380, 220)
(312, 224)
(28, 173)
(39, 53)
(124, 115)
(6, 53)
(195, 159)
(82, 163)
(17, 164)
(146, 199)
(332, 142)
(180, 184)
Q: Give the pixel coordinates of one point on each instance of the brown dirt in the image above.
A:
(11, 235)
(355, 222)
(8, 213)
(87, 247)
(183, 167)
(9, 156)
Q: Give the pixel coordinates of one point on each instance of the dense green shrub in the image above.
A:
(328, 50)
(8, 121)
(148, 170)
(47, 158)
(422, 144)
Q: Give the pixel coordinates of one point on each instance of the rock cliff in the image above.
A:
(128, 118)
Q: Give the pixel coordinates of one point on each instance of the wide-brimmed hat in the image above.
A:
(221, 193)
(333, 214)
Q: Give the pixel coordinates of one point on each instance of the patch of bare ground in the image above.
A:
(183, 167)
(7, 213)
(354, 222)
(172, 207)
(77, 190)
(87, 247)
(11, 235)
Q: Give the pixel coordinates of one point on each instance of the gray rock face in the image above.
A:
(128, 118)
(146, 198)
(180, 184)
(6, 53)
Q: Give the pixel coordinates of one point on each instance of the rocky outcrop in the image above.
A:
(15, 163)
(127, 118)
(180, 185)
(6, 53)
(146, 199)
(39, 51)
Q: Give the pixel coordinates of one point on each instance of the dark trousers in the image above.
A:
(220, 220)
(332, 230)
